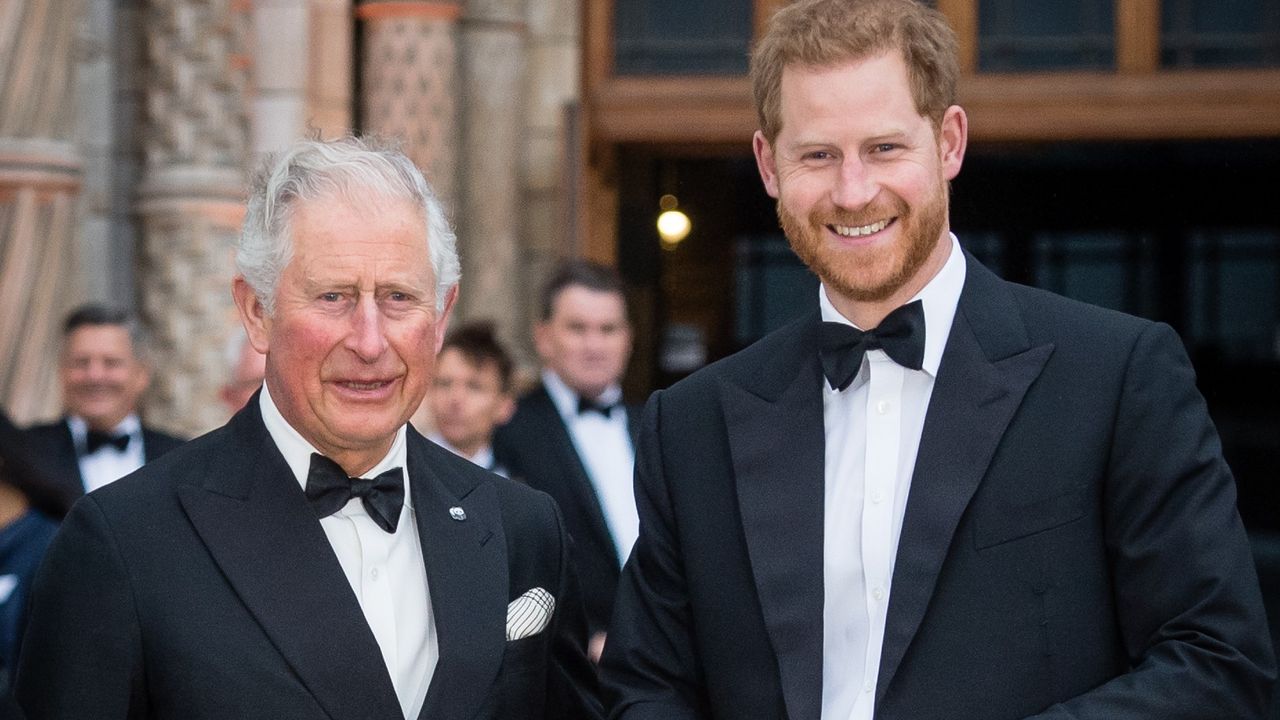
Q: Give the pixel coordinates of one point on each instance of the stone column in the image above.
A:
(330, 63)
(408, 74)
(490, 218)
(554, 81)
(195, 147)
(40, 175)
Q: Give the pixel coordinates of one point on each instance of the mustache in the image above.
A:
(98, 387)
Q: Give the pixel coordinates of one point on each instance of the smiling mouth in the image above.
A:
(860, 230)
(364, 386)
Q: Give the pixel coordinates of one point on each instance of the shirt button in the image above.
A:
(877, 497)
(868, 688)
(373, 574)
(882, 407)
(878, 593)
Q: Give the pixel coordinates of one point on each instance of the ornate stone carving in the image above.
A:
(190, 199)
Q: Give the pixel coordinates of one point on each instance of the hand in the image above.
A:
(595, 646)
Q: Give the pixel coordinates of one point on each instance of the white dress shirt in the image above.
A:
(872, 435)
(386, 570)
(604, 445)
(108, 463)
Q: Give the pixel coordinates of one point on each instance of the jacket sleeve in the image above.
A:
(1187, 596)
(649, 669)
(81, 655)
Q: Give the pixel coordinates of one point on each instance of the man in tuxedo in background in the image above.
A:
(315, 557)
(572, 436)
(103, 370)
(937, 494)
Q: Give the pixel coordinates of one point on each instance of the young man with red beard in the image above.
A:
(938, 494)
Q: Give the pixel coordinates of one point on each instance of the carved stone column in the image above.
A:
(409, 83)
(195, 149)
(40, 169)
(489, 219)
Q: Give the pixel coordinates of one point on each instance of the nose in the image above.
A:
(95, 371)
(368, 337)
(854, 185)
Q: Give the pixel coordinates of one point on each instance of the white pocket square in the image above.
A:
(529, 614)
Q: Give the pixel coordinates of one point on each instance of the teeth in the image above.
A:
(847, 231)
(364, 385)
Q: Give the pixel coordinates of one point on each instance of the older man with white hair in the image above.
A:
(316, 557)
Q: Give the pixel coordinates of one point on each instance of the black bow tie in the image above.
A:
(900, 335)
(94, 440)
(585, 406)
(329, 489)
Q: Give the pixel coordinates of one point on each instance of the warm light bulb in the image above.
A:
(673, 226)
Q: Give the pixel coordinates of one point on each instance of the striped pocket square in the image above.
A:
(529, 614)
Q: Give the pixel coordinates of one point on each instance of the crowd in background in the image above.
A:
(583, 339)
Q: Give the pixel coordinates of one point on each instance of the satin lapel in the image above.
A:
(986, 370)
(777, 440)
(255, 521)
(466, 564)
(576, 472)
(67, 463)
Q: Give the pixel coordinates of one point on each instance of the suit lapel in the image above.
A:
(68, 462)
(776, 436)
(986, 369)
(584, 492)
(466, 565)
(253, 517)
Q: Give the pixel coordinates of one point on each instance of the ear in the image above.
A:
(442, 325)
(252, 314)
(953, 138)
(765, 163)
(542, 339)
(504, 411)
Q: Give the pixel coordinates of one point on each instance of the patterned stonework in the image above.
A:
(190, 199)
(409, 87)
(40, 170)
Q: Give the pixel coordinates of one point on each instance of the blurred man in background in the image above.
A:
(246, 367)
(471, 394)
(572, 437)
(103, 371)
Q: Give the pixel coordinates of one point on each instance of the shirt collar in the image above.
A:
(566, 400)
(297, 451)
(940, 297)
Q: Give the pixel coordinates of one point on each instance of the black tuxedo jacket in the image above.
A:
(535, 447)
(203, 586)
(1071, 547)
(53, 447)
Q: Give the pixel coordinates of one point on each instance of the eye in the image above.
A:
(331, 296)
(884, 147)
(396, 296)
(818, 155)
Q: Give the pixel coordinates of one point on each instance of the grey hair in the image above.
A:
(314, 169)
(97, 314)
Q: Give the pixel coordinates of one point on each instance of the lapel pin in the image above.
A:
(457, 513)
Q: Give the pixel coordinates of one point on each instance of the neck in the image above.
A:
(867, 314)
(468, 449)
(355, 462)
(103, 425)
